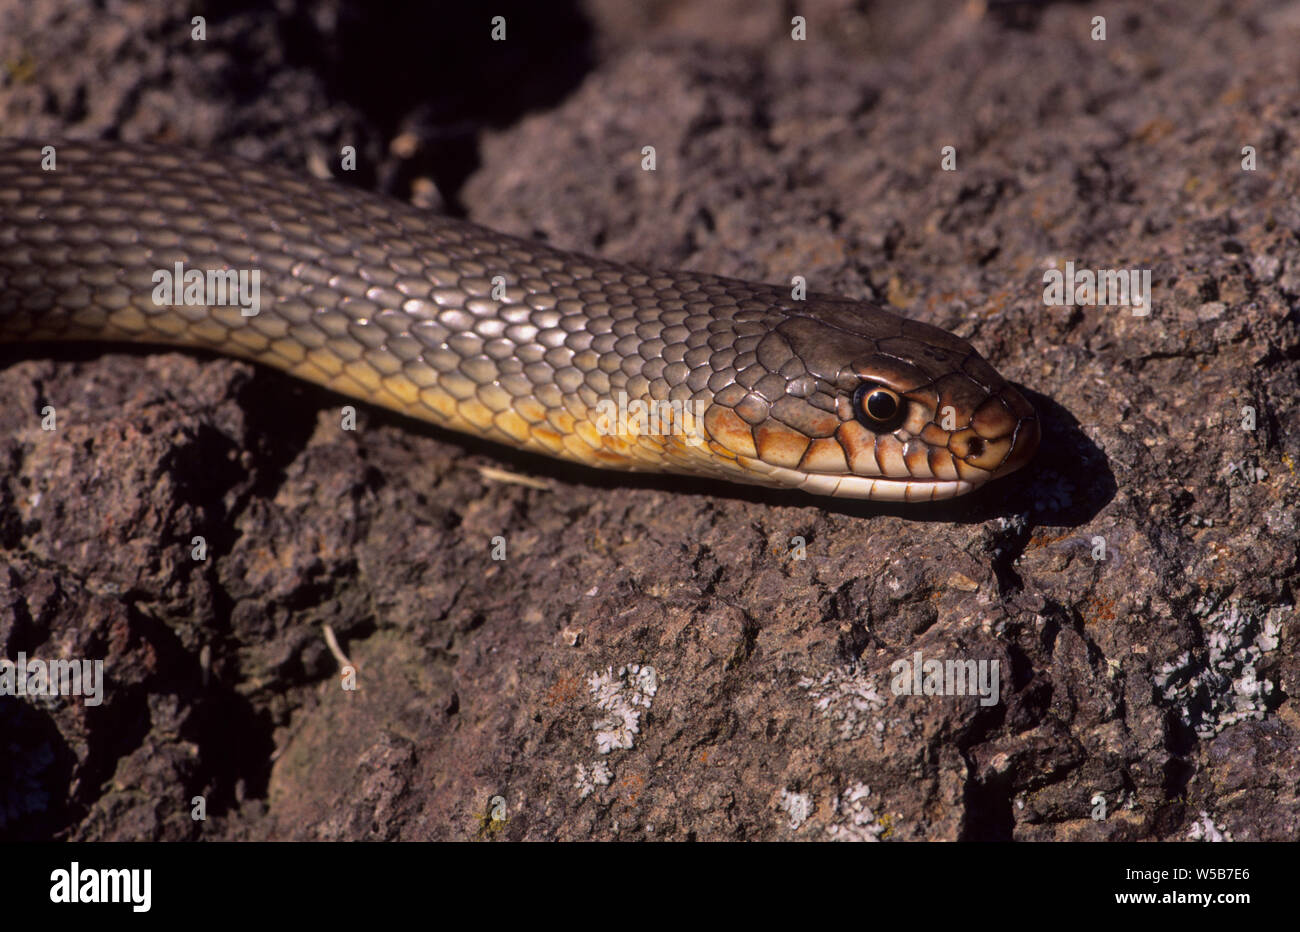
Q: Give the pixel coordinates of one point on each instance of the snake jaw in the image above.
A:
(1024, 435)
(993, 430)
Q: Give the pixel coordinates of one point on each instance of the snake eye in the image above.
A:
(877, 407)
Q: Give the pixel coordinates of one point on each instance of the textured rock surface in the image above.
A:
(653, 658)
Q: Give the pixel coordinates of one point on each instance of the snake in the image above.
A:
(609, 365)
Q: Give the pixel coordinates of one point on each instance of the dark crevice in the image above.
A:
(433, 69)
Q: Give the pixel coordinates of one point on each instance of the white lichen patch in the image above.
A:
(1245, 472)
(1221, 686)
(598, 774)
(854, 819)
(1205, 830)
(622, 697)
(849, 698)
(797, 807)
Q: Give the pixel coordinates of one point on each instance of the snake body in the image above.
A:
(497, 336)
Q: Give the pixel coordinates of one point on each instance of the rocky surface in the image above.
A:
(659, 658)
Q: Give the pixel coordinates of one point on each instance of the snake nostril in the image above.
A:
(974, 448)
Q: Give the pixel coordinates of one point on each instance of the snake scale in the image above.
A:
(604, 364)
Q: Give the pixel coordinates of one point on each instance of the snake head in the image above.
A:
(871, 405)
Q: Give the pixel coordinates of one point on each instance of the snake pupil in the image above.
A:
(881, 406)
(878, 407)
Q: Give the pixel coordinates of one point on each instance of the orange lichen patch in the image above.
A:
(630, 788)
(825, 456)
(860, 444)
(995, 303)
(1157, 129)
(1098, 609)
(1043, 539)
(563, 691)
(779, 446)
(991, 420)
(727, 428)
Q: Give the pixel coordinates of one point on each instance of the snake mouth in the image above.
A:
(1021, 442)
(1002, 435)
(1013, 425)
(875, 488)
(897, 490)
(1024, 443)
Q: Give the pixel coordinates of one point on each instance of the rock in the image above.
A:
(1130, 593)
